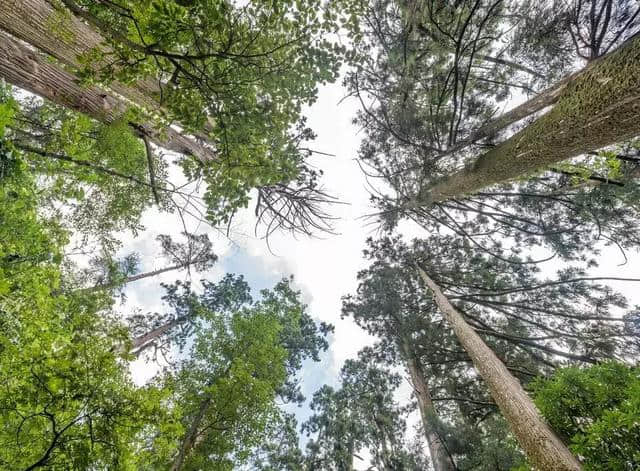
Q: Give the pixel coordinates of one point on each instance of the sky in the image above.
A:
(324, 267)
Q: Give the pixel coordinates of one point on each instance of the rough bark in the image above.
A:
(595, 108)
(543, 448)
(25, 69)
(440, 457)
(62, 35)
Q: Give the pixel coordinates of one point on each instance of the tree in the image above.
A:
(429, 109)
(380, 307)
(241, 93)
(67, 398)
(539, 442)
(362, 415)
(523, 323)
(96, 175)
(242, 356)
(586, 102)
(196, 253)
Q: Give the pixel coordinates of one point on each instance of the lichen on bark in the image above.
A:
(599, 108)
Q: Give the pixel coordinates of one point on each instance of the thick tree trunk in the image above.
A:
(440, 457)
(62, 35)
(598, 107)
(25, 69)
(543, 448)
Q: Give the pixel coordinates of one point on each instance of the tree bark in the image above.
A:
(191, 438)
(132, 278)
(143, 341)
(59, 33)
(440, 457)
(543, 448)
(595, 108)
(25, 69)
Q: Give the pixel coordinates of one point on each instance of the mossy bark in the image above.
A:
(542, 447)
(26, 69)
(599, 107)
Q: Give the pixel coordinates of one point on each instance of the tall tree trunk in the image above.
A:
(597, 108)
(383, 455)
(132, 278)
(25, 69)
(59, 33)
(513, 65)
(190, 440)
(543, 448)
(141, 342)
(52, 28)
(440, 457)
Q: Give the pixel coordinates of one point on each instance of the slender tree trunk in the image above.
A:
(132, 278)
(543, 448)
(597, 108)
(143, 341)
(440, 457)
(190, 440)
(383, 456)
(25, 69)
(513, 65)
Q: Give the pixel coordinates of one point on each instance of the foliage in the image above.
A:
(362, 415)
(596, 411)
(242, 355)
(237, 75)
(66, 396)
(91, 175)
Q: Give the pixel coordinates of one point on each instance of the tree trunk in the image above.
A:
(513, 65)
(542, 447)
(25, 69)
(59, 33)
(596, 108)
(440, 457)
(143, 341)
(191, 438)
(132, 278)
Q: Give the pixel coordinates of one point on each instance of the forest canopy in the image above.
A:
(498, 144)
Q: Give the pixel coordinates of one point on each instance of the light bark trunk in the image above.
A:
(543, 448)
(25, 69)
(132, 278)
(440, 457)
(599, 106)
(143, 341)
